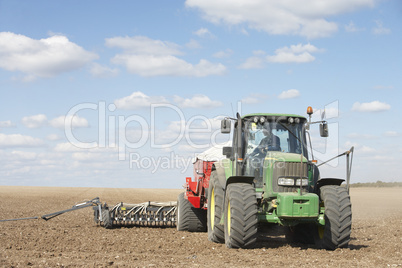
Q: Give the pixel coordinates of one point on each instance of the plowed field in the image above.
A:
(73, 239)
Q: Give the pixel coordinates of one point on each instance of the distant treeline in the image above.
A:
(376, 184)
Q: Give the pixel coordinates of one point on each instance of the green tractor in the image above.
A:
(268, 177)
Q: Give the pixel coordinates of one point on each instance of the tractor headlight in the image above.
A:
(304, 182)
(255, 119)
(297, 120)
(286, 181)
(262, 119)
(291, 120)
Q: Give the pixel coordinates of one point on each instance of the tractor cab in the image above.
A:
(268, 136)
(264, 144)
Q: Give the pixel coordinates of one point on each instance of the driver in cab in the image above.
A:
(270, 142)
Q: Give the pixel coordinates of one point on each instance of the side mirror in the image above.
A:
(324, 129)
(225, 126)
(227, 151)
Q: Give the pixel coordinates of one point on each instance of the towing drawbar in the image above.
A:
(123, 214)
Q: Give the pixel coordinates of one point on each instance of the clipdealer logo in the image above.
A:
(112, 133)
(112, 129)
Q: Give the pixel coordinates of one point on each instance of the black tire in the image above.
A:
(216, 232)
(106, 218)
(338, 218)
(241, 220)
(189, 218)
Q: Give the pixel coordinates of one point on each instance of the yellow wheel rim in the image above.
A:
(212, 209)
(228, 218)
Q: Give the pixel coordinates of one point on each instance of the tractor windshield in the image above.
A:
(273, 136)
(269, 136)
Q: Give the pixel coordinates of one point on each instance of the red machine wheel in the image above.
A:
(189, 218)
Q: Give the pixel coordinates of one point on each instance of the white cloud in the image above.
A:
(26, 79)
(138, 100)
(361, 136)
(99, 70)
(203, 32)
(34, 121)
(254, 99)
(147, 57)
(96, 155)
(151, 65)
(223, 54)
(305, 18)
(41, 58)
(380, 29)
(253, 63)
(295, 53)
(4, 124)
(198, 101)
(21, 155)
(352, 28)
(66, 147)
(53, 137)
(39, 120)
(75, 120)
(85, 156)
(391, 134)
(193, 44)
(374, 106)
(382, 87)
(199, 133)
(289, 94)
(366, 149)
(360, 149)
(18, 140)
(80, 153)
(144, 45)
(244, 31)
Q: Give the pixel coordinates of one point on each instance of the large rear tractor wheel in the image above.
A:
(189, 218)
(338, 218)
(241, 220)
(215, 210)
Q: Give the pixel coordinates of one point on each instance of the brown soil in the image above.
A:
(73, 239)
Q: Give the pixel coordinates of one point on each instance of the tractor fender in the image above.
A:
(239, 179)
(327, 181)
(232, 179)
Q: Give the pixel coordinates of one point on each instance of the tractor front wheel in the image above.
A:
(338, 218)
(241, 220)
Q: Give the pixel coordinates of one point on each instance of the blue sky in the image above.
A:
(144, 84)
